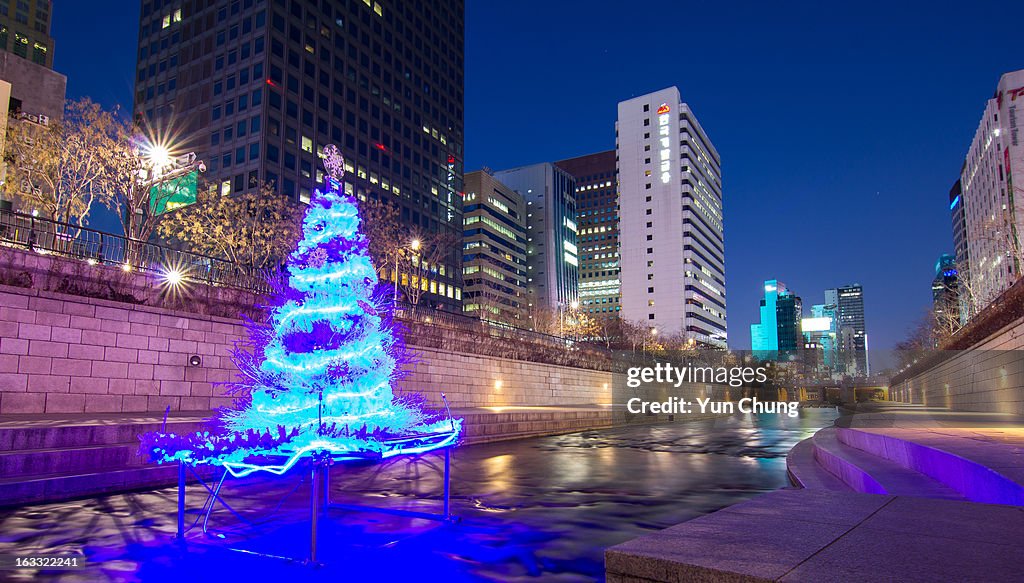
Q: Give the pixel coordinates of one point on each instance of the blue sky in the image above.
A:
(841, 126)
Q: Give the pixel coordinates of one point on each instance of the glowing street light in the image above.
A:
(415, 244)
(158, 156)
(172, 276)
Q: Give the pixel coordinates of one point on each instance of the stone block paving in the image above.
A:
(817, 535)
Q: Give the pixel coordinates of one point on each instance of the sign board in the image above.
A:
(173, 194)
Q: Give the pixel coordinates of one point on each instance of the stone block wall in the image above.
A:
(987, 377)
(73, 354)
(70, 354)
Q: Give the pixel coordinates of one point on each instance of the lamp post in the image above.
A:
(415, 246)
(654, 334)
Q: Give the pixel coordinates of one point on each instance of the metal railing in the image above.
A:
(456, 321)
(96, 247)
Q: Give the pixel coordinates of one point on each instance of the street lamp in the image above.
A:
(158, 156)
(415, 246)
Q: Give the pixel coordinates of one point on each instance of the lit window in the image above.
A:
(177, 15)
(307, 144)
(166, 21)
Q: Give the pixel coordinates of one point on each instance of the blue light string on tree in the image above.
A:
(318, 373)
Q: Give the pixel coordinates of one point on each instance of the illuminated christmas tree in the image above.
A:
(317, 375)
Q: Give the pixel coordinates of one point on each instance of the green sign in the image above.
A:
(173, 194)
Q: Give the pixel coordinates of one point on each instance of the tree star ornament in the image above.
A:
(334, 163)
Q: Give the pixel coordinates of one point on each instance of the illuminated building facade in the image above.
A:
(779, 328)
(945, 300)
(597, 216)
(25, 30)
(992, 175)
(672, 245)
(853, 337)
(552, 257)
(494, 250)
(961, 256)
(258, 88)
(821, 334)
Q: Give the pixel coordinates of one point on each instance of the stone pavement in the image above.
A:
(818, 535)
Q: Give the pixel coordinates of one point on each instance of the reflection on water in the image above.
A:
(535, 508)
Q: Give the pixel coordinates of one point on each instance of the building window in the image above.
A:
(20, 45)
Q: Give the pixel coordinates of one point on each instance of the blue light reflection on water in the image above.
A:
(533, 509)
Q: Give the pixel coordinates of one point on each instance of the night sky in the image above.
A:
(841, 129)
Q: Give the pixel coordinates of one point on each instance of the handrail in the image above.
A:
(97, 247)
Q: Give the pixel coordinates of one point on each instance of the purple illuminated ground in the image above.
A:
(534, 508)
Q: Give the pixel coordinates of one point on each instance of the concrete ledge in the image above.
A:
(808, 535)
(979, 471)
(805, 472)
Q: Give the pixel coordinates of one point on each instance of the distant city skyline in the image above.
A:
(838, 160)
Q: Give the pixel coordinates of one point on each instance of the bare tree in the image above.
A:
(425, 257)
(132, 171)
(257, 228)
(386, 238)
(580, 325)
(59, 168)
(543, 319)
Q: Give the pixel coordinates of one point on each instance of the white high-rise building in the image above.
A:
(552, 260)
(992, 193)
(672, 247)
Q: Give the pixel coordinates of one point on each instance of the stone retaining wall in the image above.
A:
(987, 377)
(70, 354)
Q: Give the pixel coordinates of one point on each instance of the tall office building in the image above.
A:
(853, 338)
(991, 182)
(945, 302)
(552, 259)
(257, 88)
(25, 30)
(30, 90)
(672, 246)
(961, 255)
(494, 250)
(821, 334)
(597, 216)
(779, 328)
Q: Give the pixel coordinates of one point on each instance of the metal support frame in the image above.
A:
(319, 502)
(181, 502)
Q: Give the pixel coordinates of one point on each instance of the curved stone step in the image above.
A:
(975, 470)
(871, 474)
(805, 472)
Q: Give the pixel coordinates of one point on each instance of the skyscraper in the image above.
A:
(853, 338)
(945, 302)
(779, 327)
(597, 219)
(961, 255)
(258, 88)
(991, 181)
(494, 250)
(672, 246)
(552, 259)
(25, 30)
(821, 334)
(30, 90)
